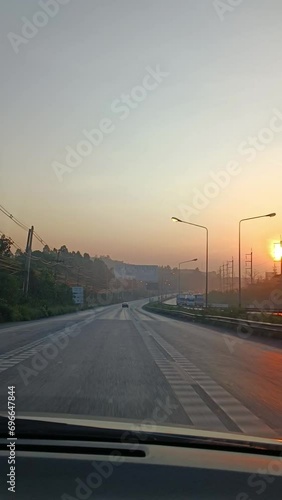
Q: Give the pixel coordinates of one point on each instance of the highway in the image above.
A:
(133, 365)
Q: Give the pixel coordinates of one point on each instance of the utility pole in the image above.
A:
(57, 263)
(251, 267)
(232, 274)
(249, 261)
(228, 269)
(220, 278)
(223, 277)
(280, 256)
(161, 283)
(28, 260)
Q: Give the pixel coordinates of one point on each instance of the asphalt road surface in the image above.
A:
(133, 365)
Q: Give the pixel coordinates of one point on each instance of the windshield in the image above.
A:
(140, 214)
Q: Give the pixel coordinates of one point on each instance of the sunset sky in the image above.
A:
(214, 104)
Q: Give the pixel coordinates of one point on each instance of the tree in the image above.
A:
(46, 249)
(10, 288)
(5, 246)
(63, 249)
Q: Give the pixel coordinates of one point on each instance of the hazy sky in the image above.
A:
(177, 91)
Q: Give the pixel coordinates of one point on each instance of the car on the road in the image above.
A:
(124, 304)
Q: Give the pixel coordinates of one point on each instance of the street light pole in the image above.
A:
(272, 214)
(240, 290)
(184, 262)
(207, 265)
(175, 219)
(28, 260)
(280, 256)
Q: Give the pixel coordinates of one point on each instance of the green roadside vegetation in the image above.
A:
(52, 274)
(231, 312)
(47, 295)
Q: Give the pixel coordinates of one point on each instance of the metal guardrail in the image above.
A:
(246, 326)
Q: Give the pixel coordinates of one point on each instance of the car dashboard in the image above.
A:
(82, 469)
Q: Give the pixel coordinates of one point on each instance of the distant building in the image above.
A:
(131, 272)
(145, 274)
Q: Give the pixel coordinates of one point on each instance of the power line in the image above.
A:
(21, 224)
(10, 268)
(5, 263)
(36, 235)
(8, 214)
(11, 258)
(9, 264)
(91, 278)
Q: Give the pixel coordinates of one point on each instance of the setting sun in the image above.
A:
(277, 251)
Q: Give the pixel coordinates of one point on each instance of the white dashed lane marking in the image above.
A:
(16, 356)
(206, 403)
